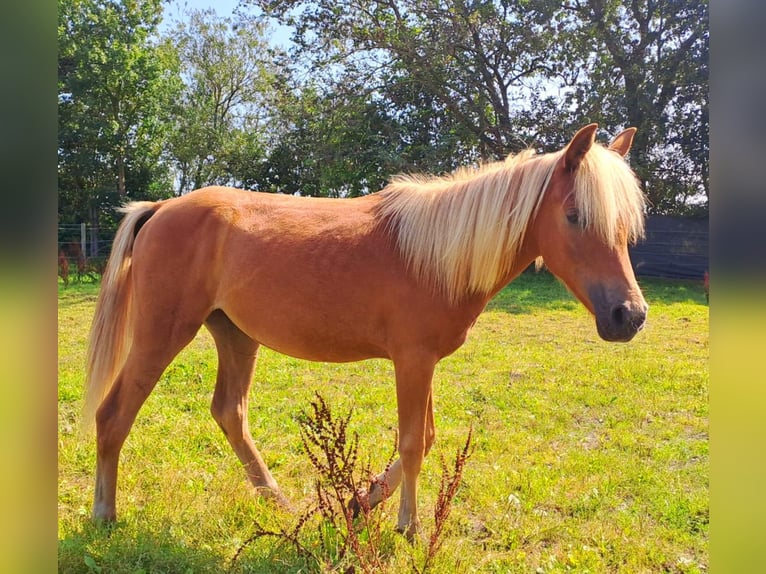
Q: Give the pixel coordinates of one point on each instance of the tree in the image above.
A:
(334, 144)
(471, 58)
(115, 83)
(506, 74)
(339, 138)
(644, 63)
(225, 109)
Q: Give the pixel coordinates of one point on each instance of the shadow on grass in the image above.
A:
(533, 291)
(132, 548)
(670, 291)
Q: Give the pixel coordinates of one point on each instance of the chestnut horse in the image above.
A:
(401, 274)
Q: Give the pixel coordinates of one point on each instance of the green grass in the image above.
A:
(589, 456)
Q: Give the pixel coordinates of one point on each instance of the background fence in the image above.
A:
(675, 247)
(91, 242)
(82, 251)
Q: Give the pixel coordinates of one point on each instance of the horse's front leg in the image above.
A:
(413, 392)
(389, 480)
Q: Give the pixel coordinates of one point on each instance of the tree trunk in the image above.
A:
(121, 177)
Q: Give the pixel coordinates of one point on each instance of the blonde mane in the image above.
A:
(461, 233)
(609, 198)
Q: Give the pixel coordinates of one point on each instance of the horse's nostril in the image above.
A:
(619, 314)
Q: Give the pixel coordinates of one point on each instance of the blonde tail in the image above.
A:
(111, 331)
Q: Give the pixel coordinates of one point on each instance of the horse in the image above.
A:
(400, 274)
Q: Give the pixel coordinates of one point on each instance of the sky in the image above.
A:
(174, 10)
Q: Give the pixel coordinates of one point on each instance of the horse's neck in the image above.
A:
(526, 255)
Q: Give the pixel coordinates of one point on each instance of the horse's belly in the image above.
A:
(313, 333)
(325, 353)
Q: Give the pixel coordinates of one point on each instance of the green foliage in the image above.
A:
(586, 455)
(221, 119)
(492, 77)
(115, 85)
(649, 70)
(334, 145)
(466, 62)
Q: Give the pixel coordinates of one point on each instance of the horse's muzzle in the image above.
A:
(621, 322)
(618, 321)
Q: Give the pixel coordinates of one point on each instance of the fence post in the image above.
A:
(82, 239)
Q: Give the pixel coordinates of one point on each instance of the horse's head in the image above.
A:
(592, 208)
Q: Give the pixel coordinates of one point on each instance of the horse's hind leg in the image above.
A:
(236, 360)
(146, 361)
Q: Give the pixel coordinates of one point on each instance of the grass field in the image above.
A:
(588, 456)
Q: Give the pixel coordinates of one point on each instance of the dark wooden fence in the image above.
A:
(675, 247)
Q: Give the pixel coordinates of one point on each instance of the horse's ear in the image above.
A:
(622, 142)
(579, 146)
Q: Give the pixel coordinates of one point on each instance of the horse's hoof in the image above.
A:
(412, 532)
(359, 502)
(107, 523)
(103, 515)
(282, 502)
(275, 497)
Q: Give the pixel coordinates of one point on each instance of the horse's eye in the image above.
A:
(573, 216)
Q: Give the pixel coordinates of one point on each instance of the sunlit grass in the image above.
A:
(589, 456)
